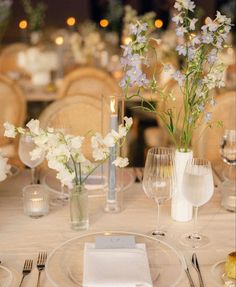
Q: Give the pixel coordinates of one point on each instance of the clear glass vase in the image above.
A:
(79, 208)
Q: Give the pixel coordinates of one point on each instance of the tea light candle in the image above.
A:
(35, 200)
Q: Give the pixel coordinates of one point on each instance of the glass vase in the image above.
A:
(79, 208)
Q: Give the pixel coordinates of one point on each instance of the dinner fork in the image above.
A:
(26, 269)
(195, 264)
(42, 257)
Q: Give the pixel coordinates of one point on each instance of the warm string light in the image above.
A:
(23, 24)
(127, 40)
(104, 23)
(70, 21)
(158, 23)
(59, 40)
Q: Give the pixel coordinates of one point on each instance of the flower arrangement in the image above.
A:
(5, 11)
(202, 70)
(86, 44)
(4, 167)
(64, 152)
(35, 14)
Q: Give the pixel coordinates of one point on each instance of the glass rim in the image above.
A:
(28, 186)
(163, 151)
(202, 161)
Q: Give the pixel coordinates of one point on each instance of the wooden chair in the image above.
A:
(8, 58)
(13, 110)
(78, 115)
(90, 81)
(206, 143)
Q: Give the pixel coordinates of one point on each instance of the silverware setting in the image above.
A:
(195, 265)
(26, 269)
(42, 258)
(188, 273)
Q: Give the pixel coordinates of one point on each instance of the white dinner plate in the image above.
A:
(219, 276)
(65, 264)
(9, 277)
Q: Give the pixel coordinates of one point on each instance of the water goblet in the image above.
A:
(27, 145)
(159, 179)
(198, 188)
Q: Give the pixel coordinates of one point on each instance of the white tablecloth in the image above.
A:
(22, 237)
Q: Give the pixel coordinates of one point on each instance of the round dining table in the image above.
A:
(22, 237)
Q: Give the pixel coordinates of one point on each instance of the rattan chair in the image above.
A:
(12, 109)
(78, 115)
(90, 81)
(8, 58)
(206, 142)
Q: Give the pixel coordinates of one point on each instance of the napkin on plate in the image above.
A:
(116, 267)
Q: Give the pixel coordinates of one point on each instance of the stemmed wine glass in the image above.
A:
(26, 145)
(159, 179)
(198, 188)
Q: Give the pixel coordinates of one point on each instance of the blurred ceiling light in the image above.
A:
(23, 24)
(127, 40)
(59, 40)
(104, 23)
(158, 23)
(70, 21)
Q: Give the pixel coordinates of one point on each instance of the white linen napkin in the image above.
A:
(116, 267)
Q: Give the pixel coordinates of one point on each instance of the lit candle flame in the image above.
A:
(112, 106)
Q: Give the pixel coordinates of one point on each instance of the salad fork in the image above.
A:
(26, 269)
(42, 257)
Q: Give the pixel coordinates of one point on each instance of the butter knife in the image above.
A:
(188, 273)
(197, 268)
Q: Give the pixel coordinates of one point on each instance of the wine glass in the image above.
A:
(26, 145)
(198, 188)
(159, 179)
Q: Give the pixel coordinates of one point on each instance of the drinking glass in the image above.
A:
(159, 179)
(26, 145)
(198, 188)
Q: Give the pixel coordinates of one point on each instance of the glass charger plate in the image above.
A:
(219, 276)
(96, 184)
(9, 277)
(65, 264)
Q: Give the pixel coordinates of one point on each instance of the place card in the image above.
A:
(115, 242)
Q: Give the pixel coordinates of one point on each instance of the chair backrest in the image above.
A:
(78, 115)
(206, 143)
(8, 58)
(90, 81)
(12, 106)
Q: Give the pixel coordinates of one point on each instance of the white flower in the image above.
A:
(222, 19)
(184, 4)
(178, 19)
(76, 142)
(192, 23)
(33, 126)
(212, 57)
(4, 167)
(121, 162)
(181, 49)
(180, 31)
(195, 41)
(207, 39)
(179, 77)
(66, 177)
(128, 122)
(36, 153)
(10, 130)
(109, 140)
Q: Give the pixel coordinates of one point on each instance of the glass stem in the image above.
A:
(195, 231)
(32, 175)
(158, 215)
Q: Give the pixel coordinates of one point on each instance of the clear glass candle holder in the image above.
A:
(35, 198)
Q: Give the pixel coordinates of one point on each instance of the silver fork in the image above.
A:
(42, 257)
(26, 269)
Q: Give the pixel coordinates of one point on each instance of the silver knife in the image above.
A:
(197, 268)
(188, 273)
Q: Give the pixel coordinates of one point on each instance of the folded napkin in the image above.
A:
(116, 267)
